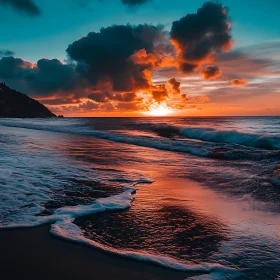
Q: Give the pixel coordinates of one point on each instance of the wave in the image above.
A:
(228, 144)
(62, 226)
(160, 144)
(233, 137)
(218, 136)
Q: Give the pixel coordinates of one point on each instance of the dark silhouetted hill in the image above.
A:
(14, 104)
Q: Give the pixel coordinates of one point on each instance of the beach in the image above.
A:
(34, 254)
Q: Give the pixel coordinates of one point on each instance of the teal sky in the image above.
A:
(63, 21)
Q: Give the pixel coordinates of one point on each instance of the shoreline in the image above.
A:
(33, 253)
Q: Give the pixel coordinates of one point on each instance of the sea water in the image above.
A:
(191, 194)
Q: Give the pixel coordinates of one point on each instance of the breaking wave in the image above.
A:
(233, 137)
(218, 136)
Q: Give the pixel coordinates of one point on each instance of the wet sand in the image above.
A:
(35, 254)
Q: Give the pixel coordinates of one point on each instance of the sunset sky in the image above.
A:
(144, 58)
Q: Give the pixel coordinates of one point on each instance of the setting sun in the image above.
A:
(159, 110)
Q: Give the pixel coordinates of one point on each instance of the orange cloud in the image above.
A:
(211, 72)
(175, 85)
(159, 93)
(195, 99)
(239, 82)
(142, 58)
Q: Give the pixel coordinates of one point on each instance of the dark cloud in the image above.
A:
(88, 106)
(14, 68)
(125, 97)
(239, 82)
(52, 75)
(159, 93)
(210, 72)
(132, 106)
(105, 97)
(4, 52)
(100, 97)
(176, 86)
(134, 2)
(60, 101)
(198, 37)
(84, 107)
(43, 78)
(26, 6)
(121, 56)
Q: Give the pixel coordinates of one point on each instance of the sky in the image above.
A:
(144, 57)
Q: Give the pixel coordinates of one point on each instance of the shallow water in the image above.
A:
(207, 193)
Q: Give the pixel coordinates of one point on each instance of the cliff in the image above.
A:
(14, 104)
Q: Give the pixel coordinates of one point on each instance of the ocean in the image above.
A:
(190, 194)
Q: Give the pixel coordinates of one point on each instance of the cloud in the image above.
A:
(125, 97)
(132, 106)
(59, 101)
(134, 2)
(88, 106)
(107, 66)
(159, 93)
(114, 56)
(26, 6)
(4, 52)
(100, 97)
(199, 37)
(14, 68)
(175, 85)
(239, 82)
(105, 97)
(210, 72)
(250, 62)
(42, 79)
(195, 99)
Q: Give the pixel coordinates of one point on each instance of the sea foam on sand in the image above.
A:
(63, 227)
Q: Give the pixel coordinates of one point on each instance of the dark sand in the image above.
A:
(34, 254)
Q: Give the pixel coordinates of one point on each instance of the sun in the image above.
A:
(159, 110)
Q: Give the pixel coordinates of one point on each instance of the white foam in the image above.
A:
(63, 227)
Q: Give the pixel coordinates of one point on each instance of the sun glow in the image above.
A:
(159, 110)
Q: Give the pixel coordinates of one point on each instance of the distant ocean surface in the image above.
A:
(192, 194)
